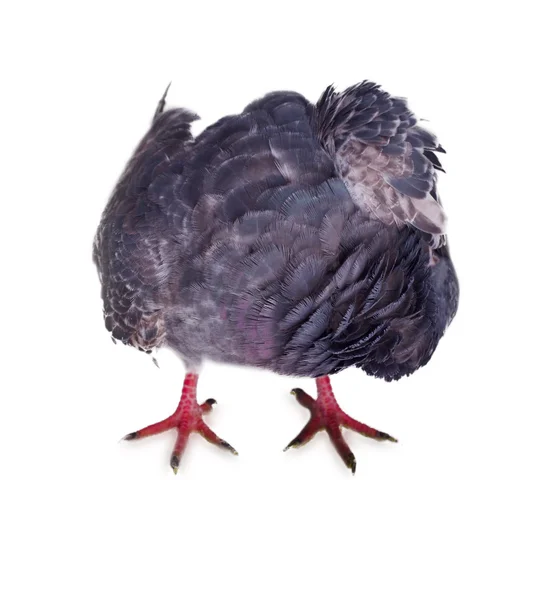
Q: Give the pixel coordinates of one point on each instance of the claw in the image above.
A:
(294, 443)
(208, 405)
(228, 447)
(174, 463)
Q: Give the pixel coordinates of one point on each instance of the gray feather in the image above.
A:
(277, 238)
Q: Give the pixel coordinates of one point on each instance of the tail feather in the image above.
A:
(386, 160)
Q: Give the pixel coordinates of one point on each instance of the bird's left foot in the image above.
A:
(327, 415)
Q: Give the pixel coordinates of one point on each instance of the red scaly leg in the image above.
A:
(186, 419)
(327, 415)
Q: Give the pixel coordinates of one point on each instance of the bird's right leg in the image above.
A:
(186, 419)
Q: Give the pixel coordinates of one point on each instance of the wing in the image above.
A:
(387, 161)
(134, 249)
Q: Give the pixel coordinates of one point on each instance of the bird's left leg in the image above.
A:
(327, 415)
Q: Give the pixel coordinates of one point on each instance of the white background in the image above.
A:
(463, 507)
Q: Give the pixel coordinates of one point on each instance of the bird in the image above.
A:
(302, 238)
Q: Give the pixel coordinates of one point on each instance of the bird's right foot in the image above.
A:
(187, 418)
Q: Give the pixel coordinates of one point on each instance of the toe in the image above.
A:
(342, 448)
(303, 398)
(213, 438)
(306, 434)
(364, 429)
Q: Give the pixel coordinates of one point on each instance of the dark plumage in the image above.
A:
(295, 237)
